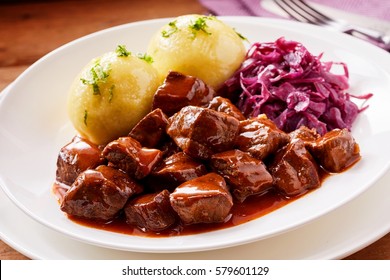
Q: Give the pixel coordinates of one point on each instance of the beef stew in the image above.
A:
(198, 167)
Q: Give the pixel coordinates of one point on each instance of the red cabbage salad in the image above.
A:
(283, 80)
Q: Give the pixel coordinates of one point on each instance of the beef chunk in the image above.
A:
(127, 154)
(305, 134)
(175, 170)
(150, 130)
(99, 194)
(202, 200)
(224, 105)
(120, 179)
(244, 174)
(76, 157)
(336, 150)
(169, 148)
(294, 169)
(179, 90)
(260, 137)
(201, 132)
(151, 211)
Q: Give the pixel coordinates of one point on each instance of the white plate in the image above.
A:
(333, 236)
(34, 126)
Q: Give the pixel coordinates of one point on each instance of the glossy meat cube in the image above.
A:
(76, 157)
(179, 90)
(224, 105)
(202, 200)
(151, 211)
(244, 174)
(127, 154)
(175, 170)
(260, 137)
(336, 150)
(150, 130)
(305, 134)
(294, 169)
(99, 194)
(202, 132)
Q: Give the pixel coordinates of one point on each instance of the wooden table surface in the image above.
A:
(31, 29)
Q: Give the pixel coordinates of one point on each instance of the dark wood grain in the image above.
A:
(31, 29)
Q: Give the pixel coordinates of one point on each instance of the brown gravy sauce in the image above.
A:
(252, 208)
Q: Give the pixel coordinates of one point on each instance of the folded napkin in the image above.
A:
(236, 8)
(379, 9)
(373, 14)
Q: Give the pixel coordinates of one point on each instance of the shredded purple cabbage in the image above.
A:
(293, 88)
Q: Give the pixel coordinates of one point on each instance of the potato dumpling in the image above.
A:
(197, 45)
(111, 94)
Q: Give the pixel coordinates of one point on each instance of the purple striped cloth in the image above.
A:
(379, 9)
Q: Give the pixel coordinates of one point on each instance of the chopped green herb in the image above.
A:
(121, 51)
(145, 57)
(85, 117)
(97, 75)
(200, 25)
(111, 93)
(172, 29)
(240, 35)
